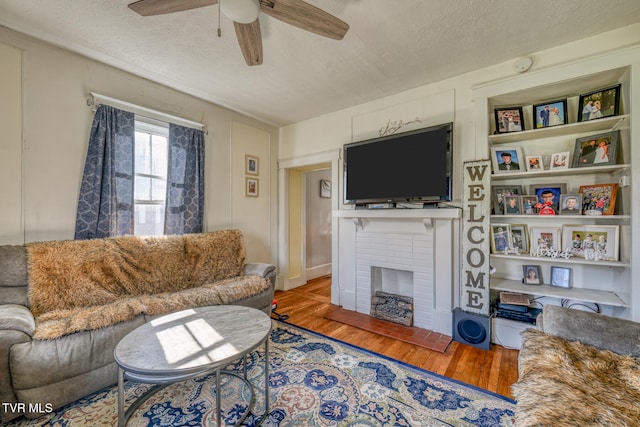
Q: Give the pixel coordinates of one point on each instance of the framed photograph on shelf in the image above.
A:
(591, 241)
(548, 193)
(534, 163)
(528, 205)
(512, 205)
(571, 204)
(599, 199)
(599, 104)
(251, 187)
(544, 238)
(506, 160)
(560, 160)
(500, 237)
(532, 275)
(549, 114)
(596, 150)
(250, 165)
(560, 276)
(509, 119)
(499, 192)
(520, 237)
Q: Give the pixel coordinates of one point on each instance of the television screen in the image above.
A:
(413, 166)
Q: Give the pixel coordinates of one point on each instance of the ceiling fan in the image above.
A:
(244, 14)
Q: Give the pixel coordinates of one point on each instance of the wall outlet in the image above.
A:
(623, 181)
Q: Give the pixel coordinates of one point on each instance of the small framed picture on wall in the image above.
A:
(251, 165)
(251, 187)
(325, 188)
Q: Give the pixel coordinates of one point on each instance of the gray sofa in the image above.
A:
(65, 305)
(578, 368)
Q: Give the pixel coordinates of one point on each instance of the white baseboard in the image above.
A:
(318, 271)
(292, 283)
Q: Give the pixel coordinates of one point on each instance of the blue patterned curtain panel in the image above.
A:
(185, 181)
(105, 205)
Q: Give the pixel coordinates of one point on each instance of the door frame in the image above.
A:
(286, 280)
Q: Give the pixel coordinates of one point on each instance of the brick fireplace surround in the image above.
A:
(416, 241)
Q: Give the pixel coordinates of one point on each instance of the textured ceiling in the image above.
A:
(391, 46)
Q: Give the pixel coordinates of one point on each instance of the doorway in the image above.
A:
(317, 223)
(299, 196)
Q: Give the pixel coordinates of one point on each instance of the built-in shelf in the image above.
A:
(572, 260)
(577, 218)
(608, 169)
(580, 294)
(604, 124)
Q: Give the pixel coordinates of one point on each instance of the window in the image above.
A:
(150, 169)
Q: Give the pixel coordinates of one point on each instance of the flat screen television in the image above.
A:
(413, 166)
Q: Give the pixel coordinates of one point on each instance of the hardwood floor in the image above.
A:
(494, 370)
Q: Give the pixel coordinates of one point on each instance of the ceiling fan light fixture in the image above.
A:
(241, 11)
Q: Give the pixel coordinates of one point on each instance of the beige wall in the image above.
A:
(11, 229)
(248, 140)
(56, 124)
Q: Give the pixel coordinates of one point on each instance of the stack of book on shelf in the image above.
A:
(515, 306)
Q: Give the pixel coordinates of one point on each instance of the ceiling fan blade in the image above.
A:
(305, 16)
(160, 7)
(250, 41)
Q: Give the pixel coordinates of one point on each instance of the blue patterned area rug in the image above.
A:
(314, 381)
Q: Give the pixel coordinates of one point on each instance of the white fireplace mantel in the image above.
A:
(435, 227)
(435, 213)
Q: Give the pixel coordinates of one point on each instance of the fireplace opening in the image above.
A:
(392, 295)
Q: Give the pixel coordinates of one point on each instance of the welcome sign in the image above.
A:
(474, 281)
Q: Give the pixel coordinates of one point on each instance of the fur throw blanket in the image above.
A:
(567, 383)
(87, 284)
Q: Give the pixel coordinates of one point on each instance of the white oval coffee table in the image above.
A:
(189, 344)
